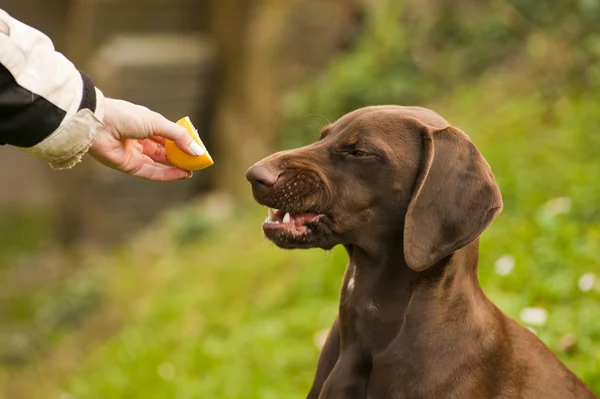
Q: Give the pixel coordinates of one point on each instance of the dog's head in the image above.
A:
(385, 174)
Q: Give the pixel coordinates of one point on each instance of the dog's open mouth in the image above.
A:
(292, 229)
(291, 223)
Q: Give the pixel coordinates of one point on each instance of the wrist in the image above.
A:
(100, 105)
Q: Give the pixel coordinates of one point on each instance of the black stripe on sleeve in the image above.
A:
(88, 98)
(26, 119)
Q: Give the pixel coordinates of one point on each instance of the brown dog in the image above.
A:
(408, 196)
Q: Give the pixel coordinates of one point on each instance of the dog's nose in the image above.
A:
(262, 177)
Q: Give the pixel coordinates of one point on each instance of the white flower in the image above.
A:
(558, 206)
(534, 316)
(586, 282)
(166, 371)
(504, 265)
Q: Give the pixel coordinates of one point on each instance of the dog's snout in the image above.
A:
(261, 174)
(262, 177)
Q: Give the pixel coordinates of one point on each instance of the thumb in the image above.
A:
(161, 126)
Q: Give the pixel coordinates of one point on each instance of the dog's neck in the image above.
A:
(456, 272)
(397, 295)
(452, 287)
(380, 265)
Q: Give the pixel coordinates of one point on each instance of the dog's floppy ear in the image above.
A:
(454, 200)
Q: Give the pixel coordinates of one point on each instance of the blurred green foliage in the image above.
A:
(36, 307)
(211, 309)
(22, 232)
(414, 52)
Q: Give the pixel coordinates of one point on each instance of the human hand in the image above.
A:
(133, 139)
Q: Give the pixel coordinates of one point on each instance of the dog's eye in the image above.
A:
(359, 153)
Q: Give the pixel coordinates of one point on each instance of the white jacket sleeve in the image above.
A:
(47, 107)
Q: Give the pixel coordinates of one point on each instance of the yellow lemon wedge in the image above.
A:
(182, 160)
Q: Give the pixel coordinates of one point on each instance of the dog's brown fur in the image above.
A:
(408, 196)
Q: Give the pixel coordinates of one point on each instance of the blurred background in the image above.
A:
(112, 287)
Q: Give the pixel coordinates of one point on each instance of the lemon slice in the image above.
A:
(182, 160)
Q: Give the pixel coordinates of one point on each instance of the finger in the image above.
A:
(154, 150)
(163, 127)
(159, 139)
(153, 171)
(189, 173)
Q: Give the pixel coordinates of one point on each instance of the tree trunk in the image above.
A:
(266, 47)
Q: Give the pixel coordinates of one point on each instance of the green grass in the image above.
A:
(228, 317)
(210, 309)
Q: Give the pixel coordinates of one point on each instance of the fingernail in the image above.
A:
(190, 174)
(196, 149)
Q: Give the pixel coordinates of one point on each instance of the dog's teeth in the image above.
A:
(286, 218)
